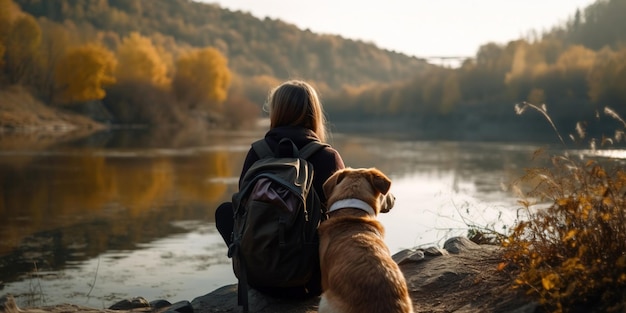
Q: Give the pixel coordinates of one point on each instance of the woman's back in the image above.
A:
(295, 113)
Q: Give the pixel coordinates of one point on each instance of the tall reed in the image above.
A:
(569, 243)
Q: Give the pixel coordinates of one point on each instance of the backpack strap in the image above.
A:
(311, 148)
(263, 150)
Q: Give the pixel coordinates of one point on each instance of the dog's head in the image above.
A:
(365, 184)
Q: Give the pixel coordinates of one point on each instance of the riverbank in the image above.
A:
(21, 112)
(461, 277)
(25, 122)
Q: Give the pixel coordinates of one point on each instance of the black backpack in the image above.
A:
(276, 211)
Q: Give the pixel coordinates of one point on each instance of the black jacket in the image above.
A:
(325, 161)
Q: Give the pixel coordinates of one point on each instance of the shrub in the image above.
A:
(571, 252)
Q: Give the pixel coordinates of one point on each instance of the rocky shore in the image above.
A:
(461, 277)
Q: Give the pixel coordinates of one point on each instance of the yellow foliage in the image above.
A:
(539, 70)
(2, 51)
(83, 72)
(527, 62)
(575, 58)
(570, 234)
(550, 281)
(8, 12)
(502, 266)
(572, 252)
(202, 76)
(605, 77)
(138, 59)
(21, 44)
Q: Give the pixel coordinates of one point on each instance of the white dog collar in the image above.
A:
(354, 204)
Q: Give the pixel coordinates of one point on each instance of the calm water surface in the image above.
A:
(130, 213)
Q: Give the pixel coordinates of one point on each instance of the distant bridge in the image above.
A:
(451, 61)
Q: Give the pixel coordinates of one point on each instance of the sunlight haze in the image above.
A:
(418, 28)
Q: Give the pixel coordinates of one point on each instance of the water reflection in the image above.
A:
(441, 187)
(79, 200)
(135, 208)
(485, 165)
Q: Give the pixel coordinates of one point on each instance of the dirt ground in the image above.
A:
(466, 282)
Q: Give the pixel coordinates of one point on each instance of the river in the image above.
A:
(129, 213)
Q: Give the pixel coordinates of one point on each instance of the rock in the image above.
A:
(408, 255)
(129, 304)
(457, 245)
(181, 307)
(434, 251)
(225, 300)
(159, 304)
(417, 255)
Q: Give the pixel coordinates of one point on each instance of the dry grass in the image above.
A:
(571, 253)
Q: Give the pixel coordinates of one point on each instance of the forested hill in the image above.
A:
(577, 69)
(160, 61)
(252, 46)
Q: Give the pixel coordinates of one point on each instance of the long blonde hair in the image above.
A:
(295, 103)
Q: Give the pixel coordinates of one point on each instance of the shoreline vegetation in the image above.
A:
(27, 123)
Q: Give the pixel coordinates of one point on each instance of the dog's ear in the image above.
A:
(379, 181)
(332, 181)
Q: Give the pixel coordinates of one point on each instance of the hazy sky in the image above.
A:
(418, 27)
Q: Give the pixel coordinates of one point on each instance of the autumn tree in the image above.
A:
(83, 72)
(202, 78)
(483, 78)
(573, 67)
(55, 41)
(2, 51)
(139, 60)
(6, 7)
(5, 24)
(141, 102)
(607, 78)
(21, 47)
(528, 68)
(451, 93)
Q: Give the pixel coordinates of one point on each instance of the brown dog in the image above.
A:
(358, 274)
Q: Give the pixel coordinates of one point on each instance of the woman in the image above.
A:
(295, 113)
